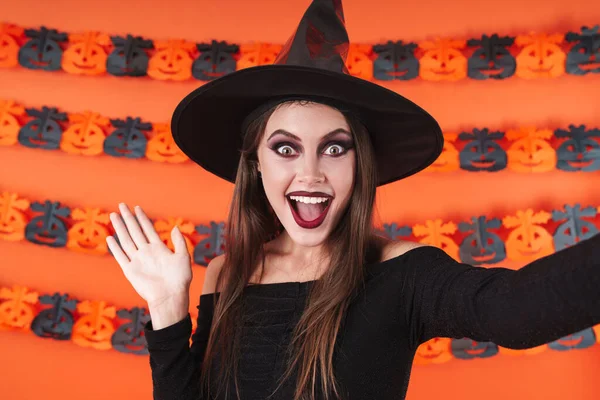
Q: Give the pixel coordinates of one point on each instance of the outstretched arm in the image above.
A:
(547, 299)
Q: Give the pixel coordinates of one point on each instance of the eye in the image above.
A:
(335, 149)
(284, 149)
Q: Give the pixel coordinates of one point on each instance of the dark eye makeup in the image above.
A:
(346, 145)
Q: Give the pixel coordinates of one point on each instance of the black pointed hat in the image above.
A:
(207, 124)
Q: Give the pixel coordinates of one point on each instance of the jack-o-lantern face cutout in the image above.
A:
(172, 60)
(86, 54)
(481, 246)
(580, 152)
(482, 151)
(48, 229)
(436, 233)
(10, 113)
(44, 131)
(42, 50)
(579, 340)
(255, 54)
(128, 139)
(85, 134)
(16, 311)
(433, 351)
(211, 246)
(395, 232)
(88, 234)
(9, 47)
(128, 57)
(541, 56)
(164, 228)
(530, 151)
(55, 322)
(215, 60)
(129, 337)
(443, 60)
(395, 60)
(95, 326)
(162, 146)
(584, 56)
(468, 349)
(528, 240)
(574, 228)
(359, 62)
(492, 58)
(448, 158)
(12, 217)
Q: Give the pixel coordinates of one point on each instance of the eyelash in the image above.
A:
(345, 146)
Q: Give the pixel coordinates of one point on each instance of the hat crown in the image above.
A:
(320, 40)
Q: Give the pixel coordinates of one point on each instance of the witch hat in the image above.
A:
(207, 124)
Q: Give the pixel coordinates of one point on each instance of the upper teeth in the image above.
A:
(309, 200)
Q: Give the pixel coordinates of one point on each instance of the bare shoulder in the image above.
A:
(211, 274)
(395, 248)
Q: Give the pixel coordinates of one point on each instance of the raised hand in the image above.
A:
(160, 276)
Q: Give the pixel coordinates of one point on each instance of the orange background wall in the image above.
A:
(32, 368)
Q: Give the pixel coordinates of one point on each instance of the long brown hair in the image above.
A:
(252, 223)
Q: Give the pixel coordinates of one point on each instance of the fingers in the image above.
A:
(132, 227)
(178, 241)
(124, 238)
(116, 251)
(147, 226)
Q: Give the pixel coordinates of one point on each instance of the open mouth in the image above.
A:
(309, 212)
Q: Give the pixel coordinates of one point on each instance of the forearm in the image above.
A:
(169, 311)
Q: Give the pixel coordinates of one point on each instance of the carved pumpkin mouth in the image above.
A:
(161, 153)
(540, 69)
(443, 71)
(398, 72)
(571, 342)
(82, 66)
(213, 74)
(483, 163)
(529, 252)
(39, 63)
(37, 141)
(589, 66)
(530, 163)
(169, 71)
(44, 238)
(475, 352)
(80, 146)
(485, 258)
(580, 164)
(490, 72)
(87, 245)
(122, 151)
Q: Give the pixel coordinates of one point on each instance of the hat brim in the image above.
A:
(206, 125)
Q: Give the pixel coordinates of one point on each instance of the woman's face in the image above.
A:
(307, 161)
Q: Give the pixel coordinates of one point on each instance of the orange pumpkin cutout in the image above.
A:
(172, 60)
(435, 233)
(9, 47)
(95, 327)
(163, 228)
(9, 122)
(448, 159)
(85, 134)
(531, 151)
(433, 351)
(596, 329)
(520, 352)
(359, 62)
(161, 147)
(255, 54)
(17, 310)
(443, 60)
(528, 241)
(89, 234)
(86, 54)
(541, 56)
(12, 217)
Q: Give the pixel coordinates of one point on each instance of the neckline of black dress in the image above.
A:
(302, 287)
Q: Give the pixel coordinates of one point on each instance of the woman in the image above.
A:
(307, 301)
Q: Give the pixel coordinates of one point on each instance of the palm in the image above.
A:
(156, 272)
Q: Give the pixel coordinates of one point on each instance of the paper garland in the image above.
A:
(528, 56)
(524, 236)
(96, 324)
(523, 149)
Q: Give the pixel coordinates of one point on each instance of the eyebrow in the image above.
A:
(291, 135)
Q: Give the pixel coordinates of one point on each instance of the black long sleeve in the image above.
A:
(174, 364)
(545, 300)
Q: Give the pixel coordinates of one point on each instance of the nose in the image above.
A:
(309, 171)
